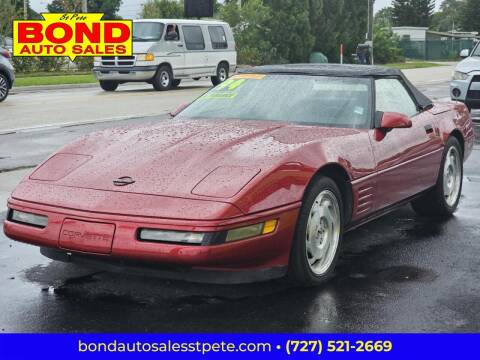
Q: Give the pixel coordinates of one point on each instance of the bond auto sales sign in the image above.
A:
(72, 35)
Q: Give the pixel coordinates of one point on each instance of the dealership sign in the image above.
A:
(72, 35)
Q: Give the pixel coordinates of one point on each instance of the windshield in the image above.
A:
(476, 51)
(147, 31)
(315, 100)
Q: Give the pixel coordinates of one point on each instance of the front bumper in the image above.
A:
(260, 258)
(125, 74)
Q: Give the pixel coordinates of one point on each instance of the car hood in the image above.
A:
(187, 159)
(142, 47)
(470, 64)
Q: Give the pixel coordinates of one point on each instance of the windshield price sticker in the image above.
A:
(72, 35)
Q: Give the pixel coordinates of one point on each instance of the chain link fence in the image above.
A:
(435, 50)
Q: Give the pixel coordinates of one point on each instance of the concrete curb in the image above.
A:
(29, 89)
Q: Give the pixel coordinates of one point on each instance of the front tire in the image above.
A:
(4, 87)
(163, 80)
(222, 74)
(318, 235)
(442, 200)
(108, 85)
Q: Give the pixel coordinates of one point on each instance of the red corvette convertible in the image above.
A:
(257, 179)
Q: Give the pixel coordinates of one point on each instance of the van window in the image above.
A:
(147, 31)
(193, 38)
(172, 33)
(218, 37)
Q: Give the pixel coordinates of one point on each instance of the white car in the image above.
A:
(165, 51)
(465, 86)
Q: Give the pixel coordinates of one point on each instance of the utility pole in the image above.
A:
(370, 24)
(25, 9)
(84, 6)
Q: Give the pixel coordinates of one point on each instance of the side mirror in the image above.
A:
(464, 53)
(393, 120)
(171, 37)
(388, 121)
(178, 110)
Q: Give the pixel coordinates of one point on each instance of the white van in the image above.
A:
(165, 51)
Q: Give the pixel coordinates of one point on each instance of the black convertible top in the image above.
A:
(338, 70)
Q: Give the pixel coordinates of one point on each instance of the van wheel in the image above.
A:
(163, 80)
(108, 85)
(3, 87)
(222, 74)
(176, 82)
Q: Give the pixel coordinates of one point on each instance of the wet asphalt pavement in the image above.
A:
(401, 273)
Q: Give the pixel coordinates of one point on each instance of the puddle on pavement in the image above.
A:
(401, 274)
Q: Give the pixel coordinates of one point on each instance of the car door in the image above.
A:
(406, 159)
(196, 57)
(175, 49)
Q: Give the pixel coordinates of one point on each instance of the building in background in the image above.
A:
(420, 43)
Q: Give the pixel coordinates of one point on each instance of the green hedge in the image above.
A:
(51, 64)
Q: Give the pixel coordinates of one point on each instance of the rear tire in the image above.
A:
(222, 74)
(318, 235)
(4, 87)
(442, 200)
(176, 83)
(163, 79)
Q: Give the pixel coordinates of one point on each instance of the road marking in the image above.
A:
(77, 123)
(473, 178)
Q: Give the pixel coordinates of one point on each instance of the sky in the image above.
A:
(131, 8)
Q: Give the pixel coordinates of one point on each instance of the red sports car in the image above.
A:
(257, 179)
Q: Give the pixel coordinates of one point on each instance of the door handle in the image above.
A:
(429, 129)
(180, 45)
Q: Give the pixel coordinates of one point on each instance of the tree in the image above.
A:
(387, 45)
(109, 7)
(157, 9)
(412, 12)
(470, 15)
(250, 25)
(7, 15)
(424, 10)
(449, 16)
(384, 17)
(291, 33)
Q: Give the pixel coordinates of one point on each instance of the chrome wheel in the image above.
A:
(222, 74)
(3, 87)
(323, 232)
(165, 79)
(452, 176)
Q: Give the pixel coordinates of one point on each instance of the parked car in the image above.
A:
(168, 51)
(7, 74)
(465, 85)
(7, 43)
(257, 179)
